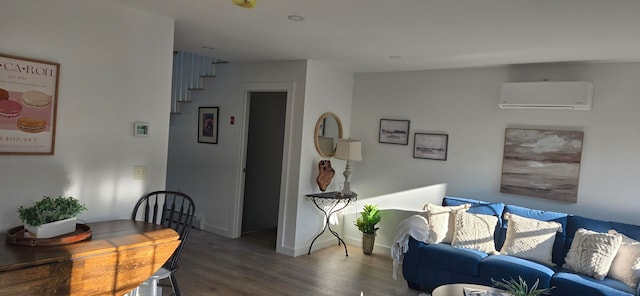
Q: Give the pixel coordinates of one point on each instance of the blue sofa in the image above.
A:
(427, 266)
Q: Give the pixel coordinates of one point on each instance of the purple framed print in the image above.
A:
(208, 125)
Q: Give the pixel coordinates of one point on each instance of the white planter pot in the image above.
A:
(52, 229)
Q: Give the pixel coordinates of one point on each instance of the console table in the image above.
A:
(329, 203)
(120, 255)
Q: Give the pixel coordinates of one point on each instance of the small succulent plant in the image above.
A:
(369, 217)
(520, 287)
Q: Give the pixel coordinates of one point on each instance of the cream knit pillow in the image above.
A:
(441, 221)
(591, 253)
(530, 238)
(626, 264)
(475, 231)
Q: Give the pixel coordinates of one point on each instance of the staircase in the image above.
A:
(189, 69)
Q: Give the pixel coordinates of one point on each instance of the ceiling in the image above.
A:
(399, 35)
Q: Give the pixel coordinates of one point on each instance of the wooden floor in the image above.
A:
(213, 265)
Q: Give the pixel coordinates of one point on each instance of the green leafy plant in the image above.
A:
(50, 210)
(369, 217)
(520, 287)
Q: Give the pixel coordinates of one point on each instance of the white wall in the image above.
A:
(210, 173)
(328, 90)
(463, 103)
(115, 68)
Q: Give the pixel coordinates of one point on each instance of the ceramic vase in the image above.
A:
(368, 241)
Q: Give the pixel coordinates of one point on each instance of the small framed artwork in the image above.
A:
(208, 125)
(394, 131)
(140, 129)
(430, 146)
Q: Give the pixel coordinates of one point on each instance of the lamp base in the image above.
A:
(346, 190)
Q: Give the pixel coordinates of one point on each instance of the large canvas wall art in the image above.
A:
(542, 163)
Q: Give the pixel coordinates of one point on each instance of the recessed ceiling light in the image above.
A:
(296, 18)
(395, 57)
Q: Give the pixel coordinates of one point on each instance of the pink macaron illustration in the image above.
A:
(9, 108)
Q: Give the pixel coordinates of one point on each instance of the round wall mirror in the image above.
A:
(328, 131)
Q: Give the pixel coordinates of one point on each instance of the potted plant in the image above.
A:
(366, 223)
(520, 287)
(51, 217)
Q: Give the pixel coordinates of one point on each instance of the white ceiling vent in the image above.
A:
(546, 95)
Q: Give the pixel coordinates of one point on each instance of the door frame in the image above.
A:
(247, 88)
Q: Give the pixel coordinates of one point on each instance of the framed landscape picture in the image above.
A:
(208, 125)
(28, 100)
(430, 146)
(394, 131)
(542, 163)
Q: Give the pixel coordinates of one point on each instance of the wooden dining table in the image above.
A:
(119, 256)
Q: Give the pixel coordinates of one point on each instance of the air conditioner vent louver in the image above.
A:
(545, 95)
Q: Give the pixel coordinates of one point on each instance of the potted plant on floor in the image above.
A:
(366, 223)
(51, 217)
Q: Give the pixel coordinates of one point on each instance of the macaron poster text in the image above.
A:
(28, 99)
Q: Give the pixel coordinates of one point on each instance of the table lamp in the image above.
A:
(349, 150)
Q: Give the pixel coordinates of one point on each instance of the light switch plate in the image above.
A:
(139, 172)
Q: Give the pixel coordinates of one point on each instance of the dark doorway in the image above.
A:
(267, 113)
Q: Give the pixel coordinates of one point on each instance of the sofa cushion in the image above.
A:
(481, 207)
(626, 264)
(500, 267)
(530, 238)
(559, 249)
(476, 206)
(441, 221)
(591, 253)
(576, 222)
(572, 284)
(446, 257)
(475, 231)
(631, 231)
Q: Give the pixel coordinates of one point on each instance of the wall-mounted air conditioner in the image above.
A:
(547, 95)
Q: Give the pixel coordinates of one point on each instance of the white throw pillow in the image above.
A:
(626, 264)
(441, 221)
(530, 238)
(475, 231)
(591, 253)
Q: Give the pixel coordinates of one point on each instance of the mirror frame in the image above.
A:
(315, 133)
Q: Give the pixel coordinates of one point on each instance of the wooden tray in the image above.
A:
(16, 236)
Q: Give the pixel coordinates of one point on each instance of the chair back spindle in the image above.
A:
(171, 209)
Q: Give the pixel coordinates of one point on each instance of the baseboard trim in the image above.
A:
(218, 230)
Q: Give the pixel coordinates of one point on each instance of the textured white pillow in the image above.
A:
(626, 264)
(475, 231)
(591, 253)
(441, 221)
(530, 238)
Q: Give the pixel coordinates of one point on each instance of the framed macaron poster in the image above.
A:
(28, 100)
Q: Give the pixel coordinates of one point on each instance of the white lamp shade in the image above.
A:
(348, 149)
